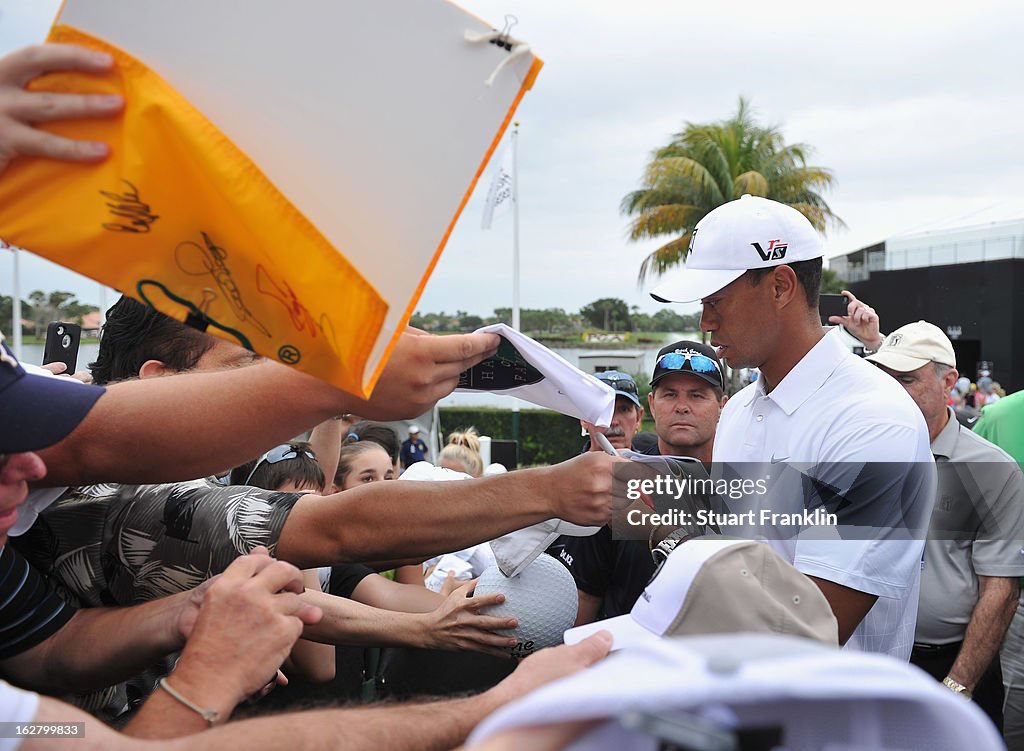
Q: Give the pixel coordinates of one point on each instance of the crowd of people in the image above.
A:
(170, 552)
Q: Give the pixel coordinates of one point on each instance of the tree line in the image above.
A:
(606, 314)
(42, 307)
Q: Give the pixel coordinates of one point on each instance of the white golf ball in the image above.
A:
(542, 598)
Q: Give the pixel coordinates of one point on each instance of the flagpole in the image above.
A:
(515, 228)
(16, 304)
(515, 261)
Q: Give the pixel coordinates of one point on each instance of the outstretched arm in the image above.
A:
(407, 522)
(82, 657)
(189, 425)
(434, 725)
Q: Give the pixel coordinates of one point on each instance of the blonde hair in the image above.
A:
(464, 448)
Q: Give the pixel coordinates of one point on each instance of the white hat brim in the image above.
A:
(624, 630)
(693, 285)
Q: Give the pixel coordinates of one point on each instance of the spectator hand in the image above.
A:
(552, 664)
(861, 321)
(423, 369)
(451, 582)
(458, 625)
(21, 110)
(58, 368)
(581, 489)
(240, 627)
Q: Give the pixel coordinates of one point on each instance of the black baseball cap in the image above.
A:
(689, 357)
(37, 411)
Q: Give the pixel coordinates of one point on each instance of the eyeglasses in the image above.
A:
(698, 363)
(626, 385)
(281, 453)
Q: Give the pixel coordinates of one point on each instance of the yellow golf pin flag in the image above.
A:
(213, 224)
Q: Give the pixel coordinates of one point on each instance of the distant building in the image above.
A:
(626, 360)
(968, 281)
(91, 323)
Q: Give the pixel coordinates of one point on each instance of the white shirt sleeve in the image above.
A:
(16, 706)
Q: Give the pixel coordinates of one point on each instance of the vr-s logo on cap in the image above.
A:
(776, 250)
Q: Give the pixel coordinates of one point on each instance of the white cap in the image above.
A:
(913, 346)
(428, 472)
(413, 429)
(718, 585)
(748, 233)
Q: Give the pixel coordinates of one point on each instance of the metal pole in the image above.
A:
(515, 261)
(16, 304)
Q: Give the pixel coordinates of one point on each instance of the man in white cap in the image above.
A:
(413, 448)
(755, 264)
(973, 557)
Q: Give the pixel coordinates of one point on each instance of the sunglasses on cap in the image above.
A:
(692, 361)
(625, 385)
(281, 453)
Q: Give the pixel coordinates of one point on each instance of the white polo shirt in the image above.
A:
(840, 429)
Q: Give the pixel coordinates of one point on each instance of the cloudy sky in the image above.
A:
(916, 107)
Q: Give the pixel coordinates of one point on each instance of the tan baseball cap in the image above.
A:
(913, 346)
(719, 585)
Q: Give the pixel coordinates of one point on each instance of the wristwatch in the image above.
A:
(956, 687)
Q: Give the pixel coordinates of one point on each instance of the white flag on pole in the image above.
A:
(499, 196)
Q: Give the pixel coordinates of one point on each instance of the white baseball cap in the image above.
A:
(414, 429)
(913, 346)
(718, 585)
(748, 233)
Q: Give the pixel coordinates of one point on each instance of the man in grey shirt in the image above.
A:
(973, 557)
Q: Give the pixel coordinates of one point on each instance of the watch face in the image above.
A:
(505, 370)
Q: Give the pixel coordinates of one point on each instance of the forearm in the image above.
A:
(349, 623)
(190, 425)
(163, 716)
(311, 660)
(589, 608)
(101, 646)
(997, 602)
(325, 441)
(411, 521)
(379, 592)
(423, 727)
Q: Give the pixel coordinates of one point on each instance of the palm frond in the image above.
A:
(752, 182)
(666, 220)
(664, 258)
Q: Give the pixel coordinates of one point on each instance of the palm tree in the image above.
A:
(707, 165)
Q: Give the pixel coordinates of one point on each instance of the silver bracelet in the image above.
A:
(872, 350)
(210, 715)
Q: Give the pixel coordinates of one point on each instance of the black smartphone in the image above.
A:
(62, 340)
(831, 305)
